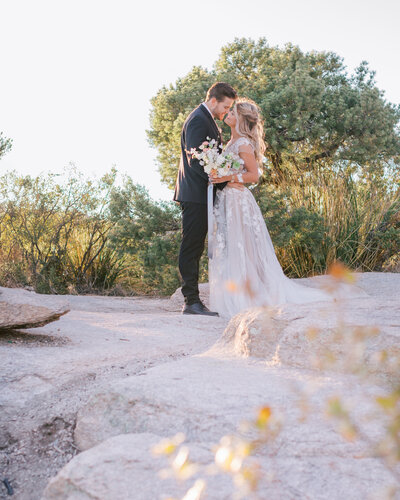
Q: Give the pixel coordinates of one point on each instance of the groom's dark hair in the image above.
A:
(220, 90)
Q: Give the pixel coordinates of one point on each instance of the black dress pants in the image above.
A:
(194, 232)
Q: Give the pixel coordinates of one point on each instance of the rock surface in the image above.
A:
(22, 309)
(301, 337)
(208, 397)
(48, 373)
(124, 467)
(116, 374)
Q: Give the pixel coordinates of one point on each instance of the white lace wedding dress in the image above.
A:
(244, 270)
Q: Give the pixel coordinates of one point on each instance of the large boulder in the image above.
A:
(23, 309)
(206, 397)
(308, 336)
(175, 397)
(124, 468)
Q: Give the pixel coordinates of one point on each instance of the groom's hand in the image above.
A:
(219, 180)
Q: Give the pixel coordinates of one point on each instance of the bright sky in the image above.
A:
(77, 75)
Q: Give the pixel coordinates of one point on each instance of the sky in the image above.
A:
(77, 76)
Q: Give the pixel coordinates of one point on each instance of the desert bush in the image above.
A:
(149, 232)
(53, 231)
(71, 234)
(331, 216)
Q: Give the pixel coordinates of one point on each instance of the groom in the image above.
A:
(191, 190)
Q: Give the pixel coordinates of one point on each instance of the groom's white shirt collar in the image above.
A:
(205, 105)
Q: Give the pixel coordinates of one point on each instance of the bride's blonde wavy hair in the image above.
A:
(250, 124)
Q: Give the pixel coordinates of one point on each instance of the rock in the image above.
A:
(24, 309)
(133, 370)
(303, 335)
(208, 397)
(123, 467)
(203, 397)
(139, 406)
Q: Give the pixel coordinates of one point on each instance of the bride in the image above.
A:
(244, 270)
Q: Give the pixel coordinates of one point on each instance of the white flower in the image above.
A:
(211, 158)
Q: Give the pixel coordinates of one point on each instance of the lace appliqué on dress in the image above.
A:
(244, 271)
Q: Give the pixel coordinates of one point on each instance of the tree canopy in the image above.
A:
(317, 116)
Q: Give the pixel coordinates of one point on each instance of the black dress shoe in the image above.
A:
(198, 308)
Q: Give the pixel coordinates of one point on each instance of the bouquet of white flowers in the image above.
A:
(216, 161)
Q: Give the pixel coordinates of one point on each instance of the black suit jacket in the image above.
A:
(192, 181)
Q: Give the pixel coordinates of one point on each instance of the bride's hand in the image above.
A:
(218, 180)
(227, 178)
